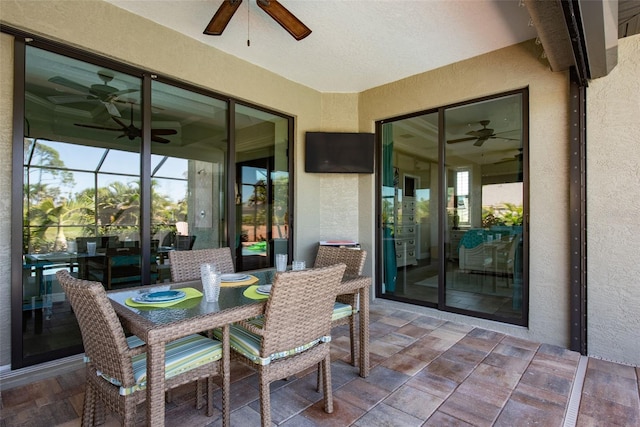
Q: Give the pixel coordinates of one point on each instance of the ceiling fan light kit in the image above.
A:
(273, 8)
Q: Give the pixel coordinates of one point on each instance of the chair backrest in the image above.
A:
(102, 243)
(102, 335)
(184, 243)
(353, 258)
(185, 265)
(300, 307)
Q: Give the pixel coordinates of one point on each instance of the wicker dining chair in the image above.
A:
(294, 334)
(346, 306)
(116, 365)
(185, 265)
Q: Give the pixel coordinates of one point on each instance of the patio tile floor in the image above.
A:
(425, 372)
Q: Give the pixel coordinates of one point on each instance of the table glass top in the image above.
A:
(230, 297)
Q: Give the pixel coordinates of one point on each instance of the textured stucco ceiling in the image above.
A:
(355, 44)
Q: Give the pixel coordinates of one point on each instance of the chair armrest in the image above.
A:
(250, 327)
(137, 350)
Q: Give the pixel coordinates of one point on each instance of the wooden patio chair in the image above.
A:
(294, 334)
(116, 365)
(346, 306)
(185, 265)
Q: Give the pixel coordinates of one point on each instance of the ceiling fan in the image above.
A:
(278, 12)
(518, 157)
(102, 93)
(481, 135)
(132, 132)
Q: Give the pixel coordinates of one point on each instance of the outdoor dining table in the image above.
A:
(158, 325)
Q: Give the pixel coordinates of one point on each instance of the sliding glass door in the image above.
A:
(119, 169)
(453, 204)
(262, 187)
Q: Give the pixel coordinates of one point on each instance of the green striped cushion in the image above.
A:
(341, 310)
(248, 344)
(132, 341)
(181, 355)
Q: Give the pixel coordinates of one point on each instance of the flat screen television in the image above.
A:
(339, 152)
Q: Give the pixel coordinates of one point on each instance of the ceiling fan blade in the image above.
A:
(70, 84)
(222, 17)
(155, 132)
(480, 141)
(453, 141)
(67, 99)
(286, 19)
(502, 137)
(120, 122)
(160, 140)
(112, 109)
(97, 127)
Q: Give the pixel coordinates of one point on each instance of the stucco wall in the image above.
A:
(506, 69)
(613, 204)
(6, 118)
(334, 195)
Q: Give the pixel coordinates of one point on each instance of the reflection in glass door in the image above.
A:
(188, 173)
(485, 206)
(452, 204)
(262, 188)
(113, 184)
(81, 203)
(409, 208)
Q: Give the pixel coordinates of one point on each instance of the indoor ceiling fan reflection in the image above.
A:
(518, 157)
(132, 132)
(102, 93)
(481, 135)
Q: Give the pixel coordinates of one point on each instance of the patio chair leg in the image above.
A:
(318, 379)
(210, 397)
(199, 401)
(265, 404)
(328, 396)
(354, 339)
(89, 410)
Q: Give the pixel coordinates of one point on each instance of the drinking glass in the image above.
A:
(298, 265)
(210, 276)
(91, 248)
(281, 262)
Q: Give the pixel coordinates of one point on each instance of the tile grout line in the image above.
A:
(571, 415)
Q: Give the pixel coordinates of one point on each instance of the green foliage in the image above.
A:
(508, 214)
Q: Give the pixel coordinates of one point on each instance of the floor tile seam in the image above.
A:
(513, 390)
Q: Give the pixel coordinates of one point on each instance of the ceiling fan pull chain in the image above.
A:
(248, 17)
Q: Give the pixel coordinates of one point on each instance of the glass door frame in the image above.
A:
(442, 215)
(19, 126)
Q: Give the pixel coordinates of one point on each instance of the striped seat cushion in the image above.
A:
(341, 310)
(181, 355)
(248, 343)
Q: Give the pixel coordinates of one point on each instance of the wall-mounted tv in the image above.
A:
(339, 152)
